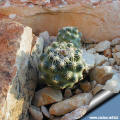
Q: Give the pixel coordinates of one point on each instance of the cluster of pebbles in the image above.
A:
(103, 60)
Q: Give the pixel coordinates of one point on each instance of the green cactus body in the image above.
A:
(61, 65)
(70, 34)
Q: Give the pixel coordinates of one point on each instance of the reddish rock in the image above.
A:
(16, 90)
(85, 86)
(97, 20)
(108, 53)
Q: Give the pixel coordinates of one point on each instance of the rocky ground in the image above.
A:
(103, 61)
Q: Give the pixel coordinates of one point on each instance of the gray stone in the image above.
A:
(45, 112)
(35, 113)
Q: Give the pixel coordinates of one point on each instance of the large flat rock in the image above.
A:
(97, 20)
(16, 86)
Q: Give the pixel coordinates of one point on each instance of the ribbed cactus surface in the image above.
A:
(61, 65)
(70, 34)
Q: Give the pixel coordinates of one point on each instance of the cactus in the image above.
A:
(70, 34)
(61, 65)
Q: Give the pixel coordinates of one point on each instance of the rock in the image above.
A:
(113, 84)
(70, 104)
(115, 41)
(114, 50)
(47, 96)
(92, 51)
(90, 46)
(101, 74)
(53, 39)
(78, 91)
(108, 53)
(76, 114)
(17, 78)
(36, 52)
(106, 64)
(100, 59)
(93, 83)
(116, 67)
(100, 47)
(68, 93)
(117, 57)
(97, 88)
(111, 61)
(117, 48)
(104, 14)
(89, 59)
(45, 112)
(36, 113)
(85, 86)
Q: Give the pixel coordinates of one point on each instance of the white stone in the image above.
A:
(89, 59)
(76, 114)
(92, 50)
(100, 59)
(100, 47)
(115, 41)
(112, 61)
(106, 64)
(113, 84)
(12, 16)
(117, 57)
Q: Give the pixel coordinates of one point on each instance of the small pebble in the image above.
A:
(68, 93)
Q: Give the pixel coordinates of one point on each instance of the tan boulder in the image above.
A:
(70, 104)
(101, 74)
(47, 96)
(97, 21)
(17, 83)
